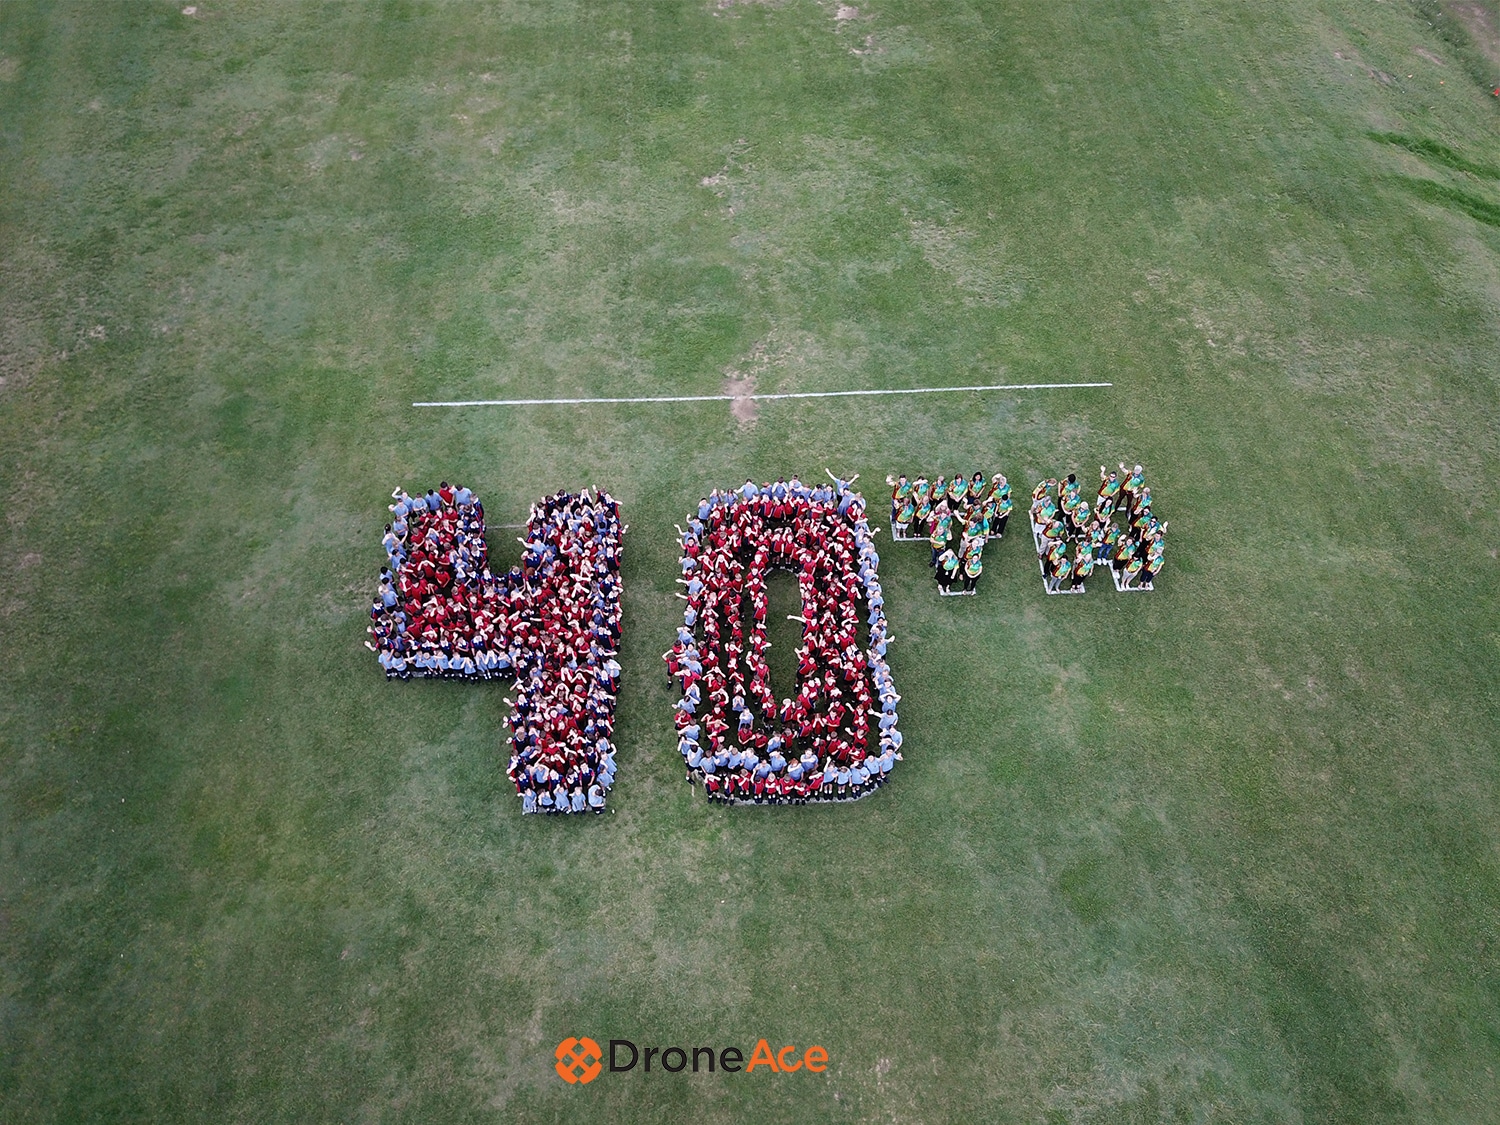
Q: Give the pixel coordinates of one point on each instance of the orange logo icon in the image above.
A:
(578, 1060)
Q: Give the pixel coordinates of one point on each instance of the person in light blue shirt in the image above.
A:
(596, 798)
(858, 775)
(761, 768)
(777, 759)
(794, 770)
(463, 497)
(749, 491)
(579, 800)
(528, 800)
(544, 799)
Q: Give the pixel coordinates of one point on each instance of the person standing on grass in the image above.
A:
(958, 491)
(938, 539)
(1062, 571)
(1109, 483)
(900, 490)
(1131, 487)
(921, 492)
(947, 569)
(973, 568)
(1083, 563)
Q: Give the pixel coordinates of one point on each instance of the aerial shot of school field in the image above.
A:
(540, 579)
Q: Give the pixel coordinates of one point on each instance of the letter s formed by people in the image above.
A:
(552, 623)
(835, 736)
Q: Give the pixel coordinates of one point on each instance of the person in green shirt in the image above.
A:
(1142, 520)
(958, 490)
(1134, 481)
(922, 493)
(978, 524)
(1109, 483)
(1069, 493)
(903, 518)
(1096, 531)
(1044, 511)
(1111, 541)
(1083, 563)
(942, 526)
(1057, 550)
(973, 568)
(900, 490)
(1155, 550)
(1062, 571)
(1002, 510)
(947, 569)
(1078, 519)
(976, 488)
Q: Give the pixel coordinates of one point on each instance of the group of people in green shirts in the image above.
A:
(971, 509)
(1133, 546)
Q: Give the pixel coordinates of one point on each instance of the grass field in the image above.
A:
(1225, 852)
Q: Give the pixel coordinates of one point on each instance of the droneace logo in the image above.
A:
(579, 1061)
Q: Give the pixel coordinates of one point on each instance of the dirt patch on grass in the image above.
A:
(1429, 56)
(743, 407)
(1348, 54)
(1480, 25)
(10, 69)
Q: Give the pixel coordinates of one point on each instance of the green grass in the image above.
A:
(1223, 853)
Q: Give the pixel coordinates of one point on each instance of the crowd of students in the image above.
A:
(968, 509)
(836, 736)
(552, 623)
(1117, 528)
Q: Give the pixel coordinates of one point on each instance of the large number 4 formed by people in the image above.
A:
(552, 623)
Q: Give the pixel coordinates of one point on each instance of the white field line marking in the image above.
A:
(733, 398)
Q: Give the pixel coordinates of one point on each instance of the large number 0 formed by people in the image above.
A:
(834, 738)
(552, 623)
